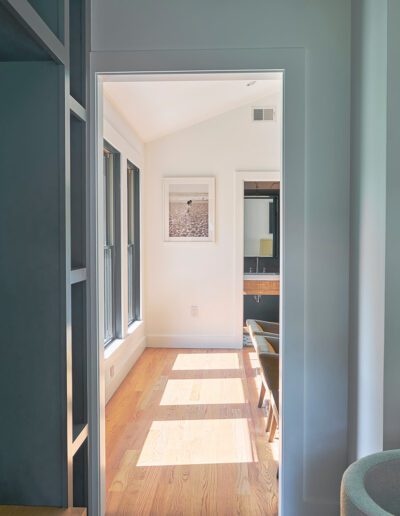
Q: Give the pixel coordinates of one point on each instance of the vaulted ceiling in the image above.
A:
(159, 107)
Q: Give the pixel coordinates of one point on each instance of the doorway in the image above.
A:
(100, 434)
(201, 128)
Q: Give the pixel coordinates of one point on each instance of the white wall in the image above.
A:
(122, 353)
(201, 274)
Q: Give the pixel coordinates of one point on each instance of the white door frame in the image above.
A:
(241, 177)
(291, 62)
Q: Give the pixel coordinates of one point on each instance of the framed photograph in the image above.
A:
(189, 209)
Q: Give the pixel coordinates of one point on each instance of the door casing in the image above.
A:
(161, 65)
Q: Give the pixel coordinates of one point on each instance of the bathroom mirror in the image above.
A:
(261, 225)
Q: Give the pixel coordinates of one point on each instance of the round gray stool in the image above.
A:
(371, 486)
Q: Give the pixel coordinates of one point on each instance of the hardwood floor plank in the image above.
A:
(184, 436)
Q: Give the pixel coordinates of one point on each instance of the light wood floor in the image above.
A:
(184, 437)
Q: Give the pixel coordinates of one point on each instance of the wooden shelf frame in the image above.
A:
(78, 275)
(77, 109)
(76, 200)
(81, 435)
(51, 75)
(34, 24)
(23, 510)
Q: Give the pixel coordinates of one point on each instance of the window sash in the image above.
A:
(131, 207)
(109, 315)
(109, 208)
(109, 249)
(131, 293)
(133, 245)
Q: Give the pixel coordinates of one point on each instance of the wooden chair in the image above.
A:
(273, 415)
(257, 327)
(269, 364)
(265, 342)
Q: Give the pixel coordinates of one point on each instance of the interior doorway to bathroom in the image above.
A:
(261, 260)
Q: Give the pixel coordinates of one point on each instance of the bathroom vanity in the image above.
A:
(261, 285)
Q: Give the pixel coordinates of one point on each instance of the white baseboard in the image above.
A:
(194, 341)
(122, 362)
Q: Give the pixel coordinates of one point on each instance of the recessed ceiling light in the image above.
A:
(251, 83)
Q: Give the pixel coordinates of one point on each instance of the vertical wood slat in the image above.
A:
(78, 457)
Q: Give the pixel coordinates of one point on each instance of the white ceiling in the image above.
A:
(157, 108)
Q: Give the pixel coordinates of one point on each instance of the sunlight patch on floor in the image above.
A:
(206, 391)
(206, 441)
(199, 361)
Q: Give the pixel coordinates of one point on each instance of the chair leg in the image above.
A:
(269, 419)
(262, 395)
(273, 429)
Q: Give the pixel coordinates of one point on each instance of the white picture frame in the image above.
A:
(189, 209)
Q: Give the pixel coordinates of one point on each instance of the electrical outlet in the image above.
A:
(111, 371)
(194, 311)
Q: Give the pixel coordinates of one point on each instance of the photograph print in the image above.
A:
(189, 206)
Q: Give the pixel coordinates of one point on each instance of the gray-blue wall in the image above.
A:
(368, 200)
(322, 28)
(391, 407)
(374, 406)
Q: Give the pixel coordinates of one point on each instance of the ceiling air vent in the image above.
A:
(263, 114)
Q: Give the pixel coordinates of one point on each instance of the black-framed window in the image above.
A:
(109, 178)
(133, 212)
